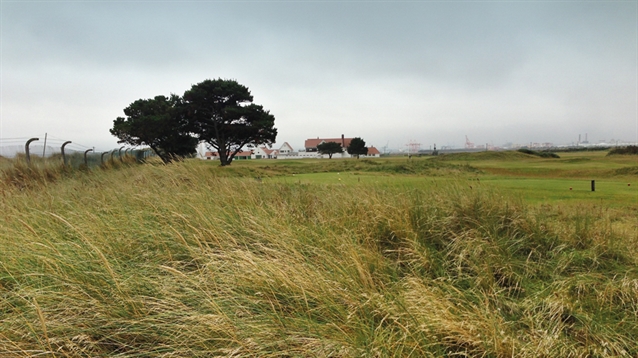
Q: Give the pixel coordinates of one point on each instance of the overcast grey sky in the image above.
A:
(387, 71)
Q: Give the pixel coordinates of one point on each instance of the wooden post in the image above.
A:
(593, 185)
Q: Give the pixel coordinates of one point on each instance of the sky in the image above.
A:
(390, 72)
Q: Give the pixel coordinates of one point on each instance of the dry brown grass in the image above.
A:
(174, 261)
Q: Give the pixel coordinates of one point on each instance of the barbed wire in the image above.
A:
(50, 137)
(10, 147)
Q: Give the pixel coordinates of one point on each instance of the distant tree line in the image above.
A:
(218, 112)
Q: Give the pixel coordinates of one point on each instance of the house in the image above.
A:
(264, 153)
(211, 156)
(311, 144)
(285, 149)
(258, 153)
(247, 154)
(269, 153)
(373, 152)
(239, 155)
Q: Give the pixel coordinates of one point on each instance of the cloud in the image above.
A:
(429, 71)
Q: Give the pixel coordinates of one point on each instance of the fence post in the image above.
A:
(26, 149)
(86, 162)
(112, 153)
(593, 185)
(119, 153)
(44, 148)
(102, 157)
(62, 149)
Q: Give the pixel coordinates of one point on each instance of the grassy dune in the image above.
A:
(594, 165)
(191, 259)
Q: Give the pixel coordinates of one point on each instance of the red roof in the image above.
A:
(313, 143)
(373, 151)
(239, 154)
(244, 154)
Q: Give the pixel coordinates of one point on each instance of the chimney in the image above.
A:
(343, 141)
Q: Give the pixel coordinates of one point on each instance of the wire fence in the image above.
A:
(34, 150)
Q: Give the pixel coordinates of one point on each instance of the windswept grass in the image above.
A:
(176, 261)
(40, 172)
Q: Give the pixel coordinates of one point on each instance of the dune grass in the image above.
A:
(190, 259)
(39, 172)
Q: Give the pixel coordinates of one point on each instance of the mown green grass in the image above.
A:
(191, 259)
(536, 180)
(612, 193)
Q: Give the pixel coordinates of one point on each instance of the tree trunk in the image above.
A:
(223, 159)
(223, 154)
(162, 156)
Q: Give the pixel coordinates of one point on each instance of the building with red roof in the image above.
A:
(311, 144)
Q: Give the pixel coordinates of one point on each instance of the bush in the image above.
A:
(630, 149)
(548, 155)
(543, 154)
(528, 151)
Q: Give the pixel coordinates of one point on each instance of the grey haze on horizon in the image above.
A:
(390, 71)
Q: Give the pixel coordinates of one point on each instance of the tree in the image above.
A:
(357, 147)
(158, 123)
(222, 114)
(329, 148)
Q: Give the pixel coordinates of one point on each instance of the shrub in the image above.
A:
(542, 154)
(528, 151)
(548, 155)
(630, 149)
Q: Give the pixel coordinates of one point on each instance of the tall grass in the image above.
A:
(17, 172)
(175, 261)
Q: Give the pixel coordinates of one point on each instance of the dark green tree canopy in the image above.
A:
(357, 147)
(329, 148)
(221, 113)
(158, 123)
